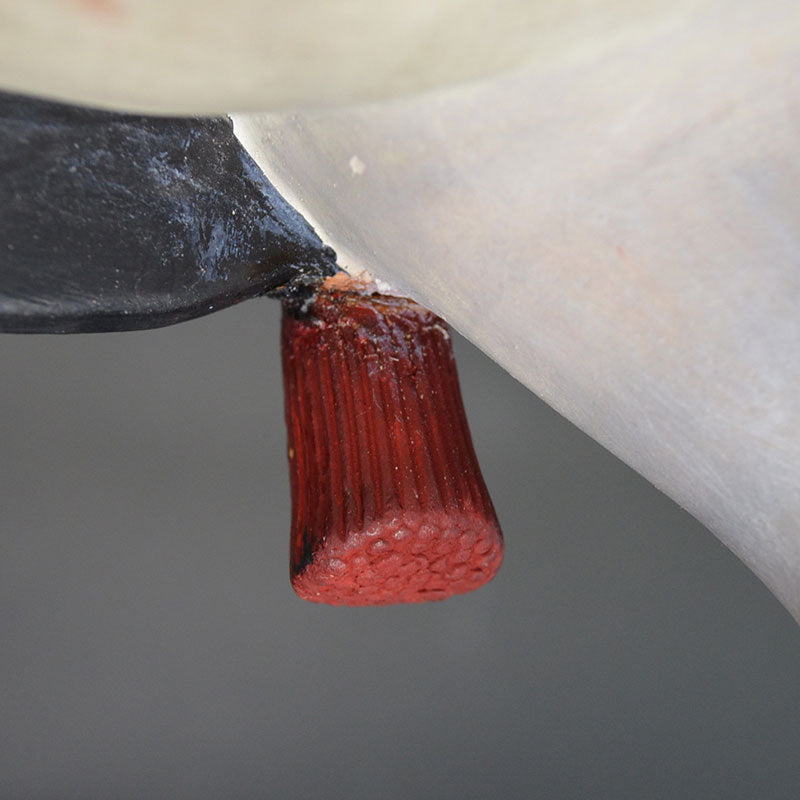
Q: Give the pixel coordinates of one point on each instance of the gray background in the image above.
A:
(152, 647)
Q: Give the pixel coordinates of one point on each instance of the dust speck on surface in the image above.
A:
(357, 166)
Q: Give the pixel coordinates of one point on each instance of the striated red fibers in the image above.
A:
(388, 503)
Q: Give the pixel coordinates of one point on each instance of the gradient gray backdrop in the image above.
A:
(152, 647)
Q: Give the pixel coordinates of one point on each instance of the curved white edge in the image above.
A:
(621, 231)
(202, 57)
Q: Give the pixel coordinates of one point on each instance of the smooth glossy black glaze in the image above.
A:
(113, 222)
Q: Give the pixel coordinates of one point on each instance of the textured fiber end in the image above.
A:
(388, 503)
(406, 559)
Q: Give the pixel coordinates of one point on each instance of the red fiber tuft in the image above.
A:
(388, 503)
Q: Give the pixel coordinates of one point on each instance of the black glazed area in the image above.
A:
(112, 222)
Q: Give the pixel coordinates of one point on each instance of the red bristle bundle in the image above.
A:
(388, 503)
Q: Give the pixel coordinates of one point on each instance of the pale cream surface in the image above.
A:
(620, 229)
(196, 56)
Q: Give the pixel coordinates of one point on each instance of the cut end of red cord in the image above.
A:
(407, 559)
(388, 503)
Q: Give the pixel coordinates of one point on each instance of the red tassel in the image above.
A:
(388, 503)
